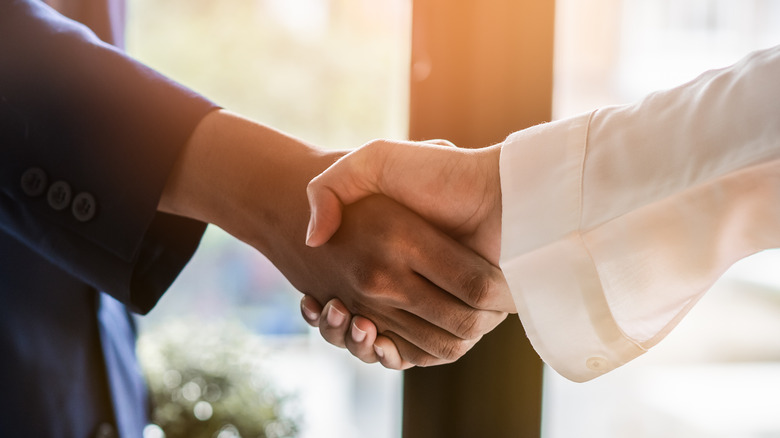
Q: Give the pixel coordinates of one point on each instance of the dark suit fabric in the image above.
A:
(83, 115)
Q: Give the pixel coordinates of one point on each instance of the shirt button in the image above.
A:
(59, 195)
(596, 364)
(34, 181)
(84, 207)
(105, 430)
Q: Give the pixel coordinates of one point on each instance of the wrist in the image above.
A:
(244, 177)
(489, 230)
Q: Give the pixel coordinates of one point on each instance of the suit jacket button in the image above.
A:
(59, 195)
(105, 430)
(84, 207)
(34, 181)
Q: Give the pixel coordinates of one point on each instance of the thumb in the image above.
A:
(325, 217)
(346, 181)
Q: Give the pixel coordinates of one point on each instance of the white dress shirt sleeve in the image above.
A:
(616, 222)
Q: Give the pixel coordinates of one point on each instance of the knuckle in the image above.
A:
(368, 149)
(472, 325)
(368, 278)
(455, 349)
(479, 288)
(425, 360)
(372, 281)
(374, 144)
(419, 359)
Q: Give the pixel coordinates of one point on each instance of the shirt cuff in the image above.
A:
(551, 274)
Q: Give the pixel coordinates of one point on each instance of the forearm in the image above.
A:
(251, 181)
(246, 178)
(636, 211)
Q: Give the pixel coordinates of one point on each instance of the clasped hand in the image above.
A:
(427, 282)
(457, 190)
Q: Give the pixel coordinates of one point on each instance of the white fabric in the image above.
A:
(616, 222)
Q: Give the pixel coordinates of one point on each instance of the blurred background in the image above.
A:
(336, 73)
(717, 375)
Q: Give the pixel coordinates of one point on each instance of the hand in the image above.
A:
(457, 189)
(359, 336)
(386, 263)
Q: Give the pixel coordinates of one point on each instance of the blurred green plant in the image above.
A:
(206, 381)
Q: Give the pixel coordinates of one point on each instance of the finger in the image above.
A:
(388, 355)
(440, 308)
(410, 305)
(349, 179)
(360, 339)
(420, 341)
(325, 216)
(334, 323)
(411, 353)
(462, 272)
(310, 310)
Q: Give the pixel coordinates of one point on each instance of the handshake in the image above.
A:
(450, 291)
(635, 212)
(404, 236)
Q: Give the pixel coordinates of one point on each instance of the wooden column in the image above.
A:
(481, 69)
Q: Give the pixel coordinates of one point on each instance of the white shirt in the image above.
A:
(616, 222)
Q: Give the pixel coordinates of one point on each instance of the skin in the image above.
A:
(456, 189)
(423, 290)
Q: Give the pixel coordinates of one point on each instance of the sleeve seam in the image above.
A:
(581, 238)
(581, 187)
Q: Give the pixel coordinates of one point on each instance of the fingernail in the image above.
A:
(379, 352)
(310, 314)
(357, 334)
(310, 229)
(335, 318)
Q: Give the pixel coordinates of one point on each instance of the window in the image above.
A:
(333, 72)
(718, 373)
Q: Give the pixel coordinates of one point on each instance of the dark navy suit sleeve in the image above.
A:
(88, 137)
